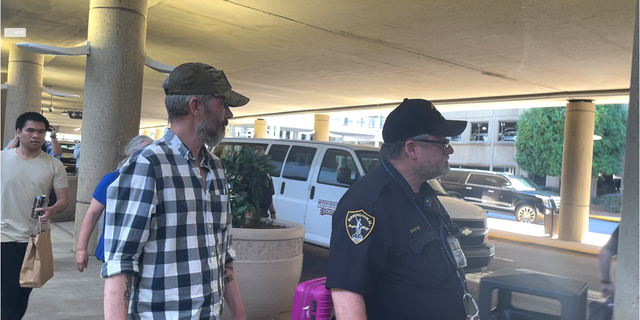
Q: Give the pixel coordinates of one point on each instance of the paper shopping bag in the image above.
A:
(37, 266)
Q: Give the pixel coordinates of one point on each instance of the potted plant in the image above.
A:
(247, 172)
(268, 260)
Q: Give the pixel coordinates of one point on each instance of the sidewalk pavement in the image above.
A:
(534, 234)
(71, 295)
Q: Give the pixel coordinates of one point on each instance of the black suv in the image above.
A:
(502, 192)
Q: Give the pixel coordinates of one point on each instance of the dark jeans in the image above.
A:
(14, 297)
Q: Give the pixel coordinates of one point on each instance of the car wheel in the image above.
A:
(526, 213)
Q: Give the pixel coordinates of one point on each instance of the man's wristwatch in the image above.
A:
(53, 136)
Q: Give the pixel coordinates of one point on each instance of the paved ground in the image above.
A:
(71, 295)
(595, 225)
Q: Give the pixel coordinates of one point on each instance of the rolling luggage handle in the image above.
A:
(312, 307)
(312, 301)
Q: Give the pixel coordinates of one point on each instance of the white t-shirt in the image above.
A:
(22, 181)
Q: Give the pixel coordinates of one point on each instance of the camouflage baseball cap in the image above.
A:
(198, 78)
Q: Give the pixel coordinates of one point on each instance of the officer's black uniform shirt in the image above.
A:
(382, 248)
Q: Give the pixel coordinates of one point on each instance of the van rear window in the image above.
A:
(298, 163)
(338, 169)
(369, 160)
(277, 153)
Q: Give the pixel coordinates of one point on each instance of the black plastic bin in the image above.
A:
(551, 224)
(572, 295)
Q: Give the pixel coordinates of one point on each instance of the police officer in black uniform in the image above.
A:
(393, 253)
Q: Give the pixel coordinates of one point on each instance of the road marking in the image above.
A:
(504, 259)
(591, 294)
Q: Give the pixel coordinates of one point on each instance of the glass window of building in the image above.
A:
(480, 131)
(508, 131)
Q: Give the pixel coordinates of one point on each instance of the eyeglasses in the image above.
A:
(445, 142)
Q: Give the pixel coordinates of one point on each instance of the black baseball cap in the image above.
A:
(414, 117)
(199, 78)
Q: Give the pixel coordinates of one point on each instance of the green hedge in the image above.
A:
(609, 202)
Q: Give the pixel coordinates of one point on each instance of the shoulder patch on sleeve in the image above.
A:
(359, 225)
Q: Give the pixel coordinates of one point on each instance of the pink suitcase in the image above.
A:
(312, 301)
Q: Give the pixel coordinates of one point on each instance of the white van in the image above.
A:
(311, 177)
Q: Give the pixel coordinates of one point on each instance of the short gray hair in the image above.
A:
(178, 104)
(134, 144)
(393, 150)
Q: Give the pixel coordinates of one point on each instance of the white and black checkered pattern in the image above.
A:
(163, 226)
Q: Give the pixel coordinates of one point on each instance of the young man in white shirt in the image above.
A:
(27, 171)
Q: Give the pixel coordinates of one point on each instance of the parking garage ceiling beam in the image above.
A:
(557, 96)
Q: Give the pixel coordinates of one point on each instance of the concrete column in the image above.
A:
(576, 170)
(159, 133)
(321, 127)
(24, 78)
(3, 106)
(113, 91)
(627, 269)
(260, 128)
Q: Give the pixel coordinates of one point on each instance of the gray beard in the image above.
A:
(432, 173)
(211, 135)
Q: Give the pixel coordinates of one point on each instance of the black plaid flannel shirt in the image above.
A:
(171, 233)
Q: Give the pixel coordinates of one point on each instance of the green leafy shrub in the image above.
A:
(539, 148)
(246, 172)
(610, 202)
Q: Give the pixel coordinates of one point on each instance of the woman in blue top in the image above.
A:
(99, 202)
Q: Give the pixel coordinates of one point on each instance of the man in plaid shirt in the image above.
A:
(167, 222)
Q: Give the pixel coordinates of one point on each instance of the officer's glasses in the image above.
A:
(445, 142)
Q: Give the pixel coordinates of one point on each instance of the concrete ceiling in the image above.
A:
(308, 55)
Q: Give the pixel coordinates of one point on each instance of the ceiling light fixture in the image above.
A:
(157, 65)
(83, 50)
(76, 129)
(64, 113)
(51, 109)
(58, 93)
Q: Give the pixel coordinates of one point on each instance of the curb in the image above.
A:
(605, 218)
(545, 241)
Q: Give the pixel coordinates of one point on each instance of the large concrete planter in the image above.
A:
(268, 266)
